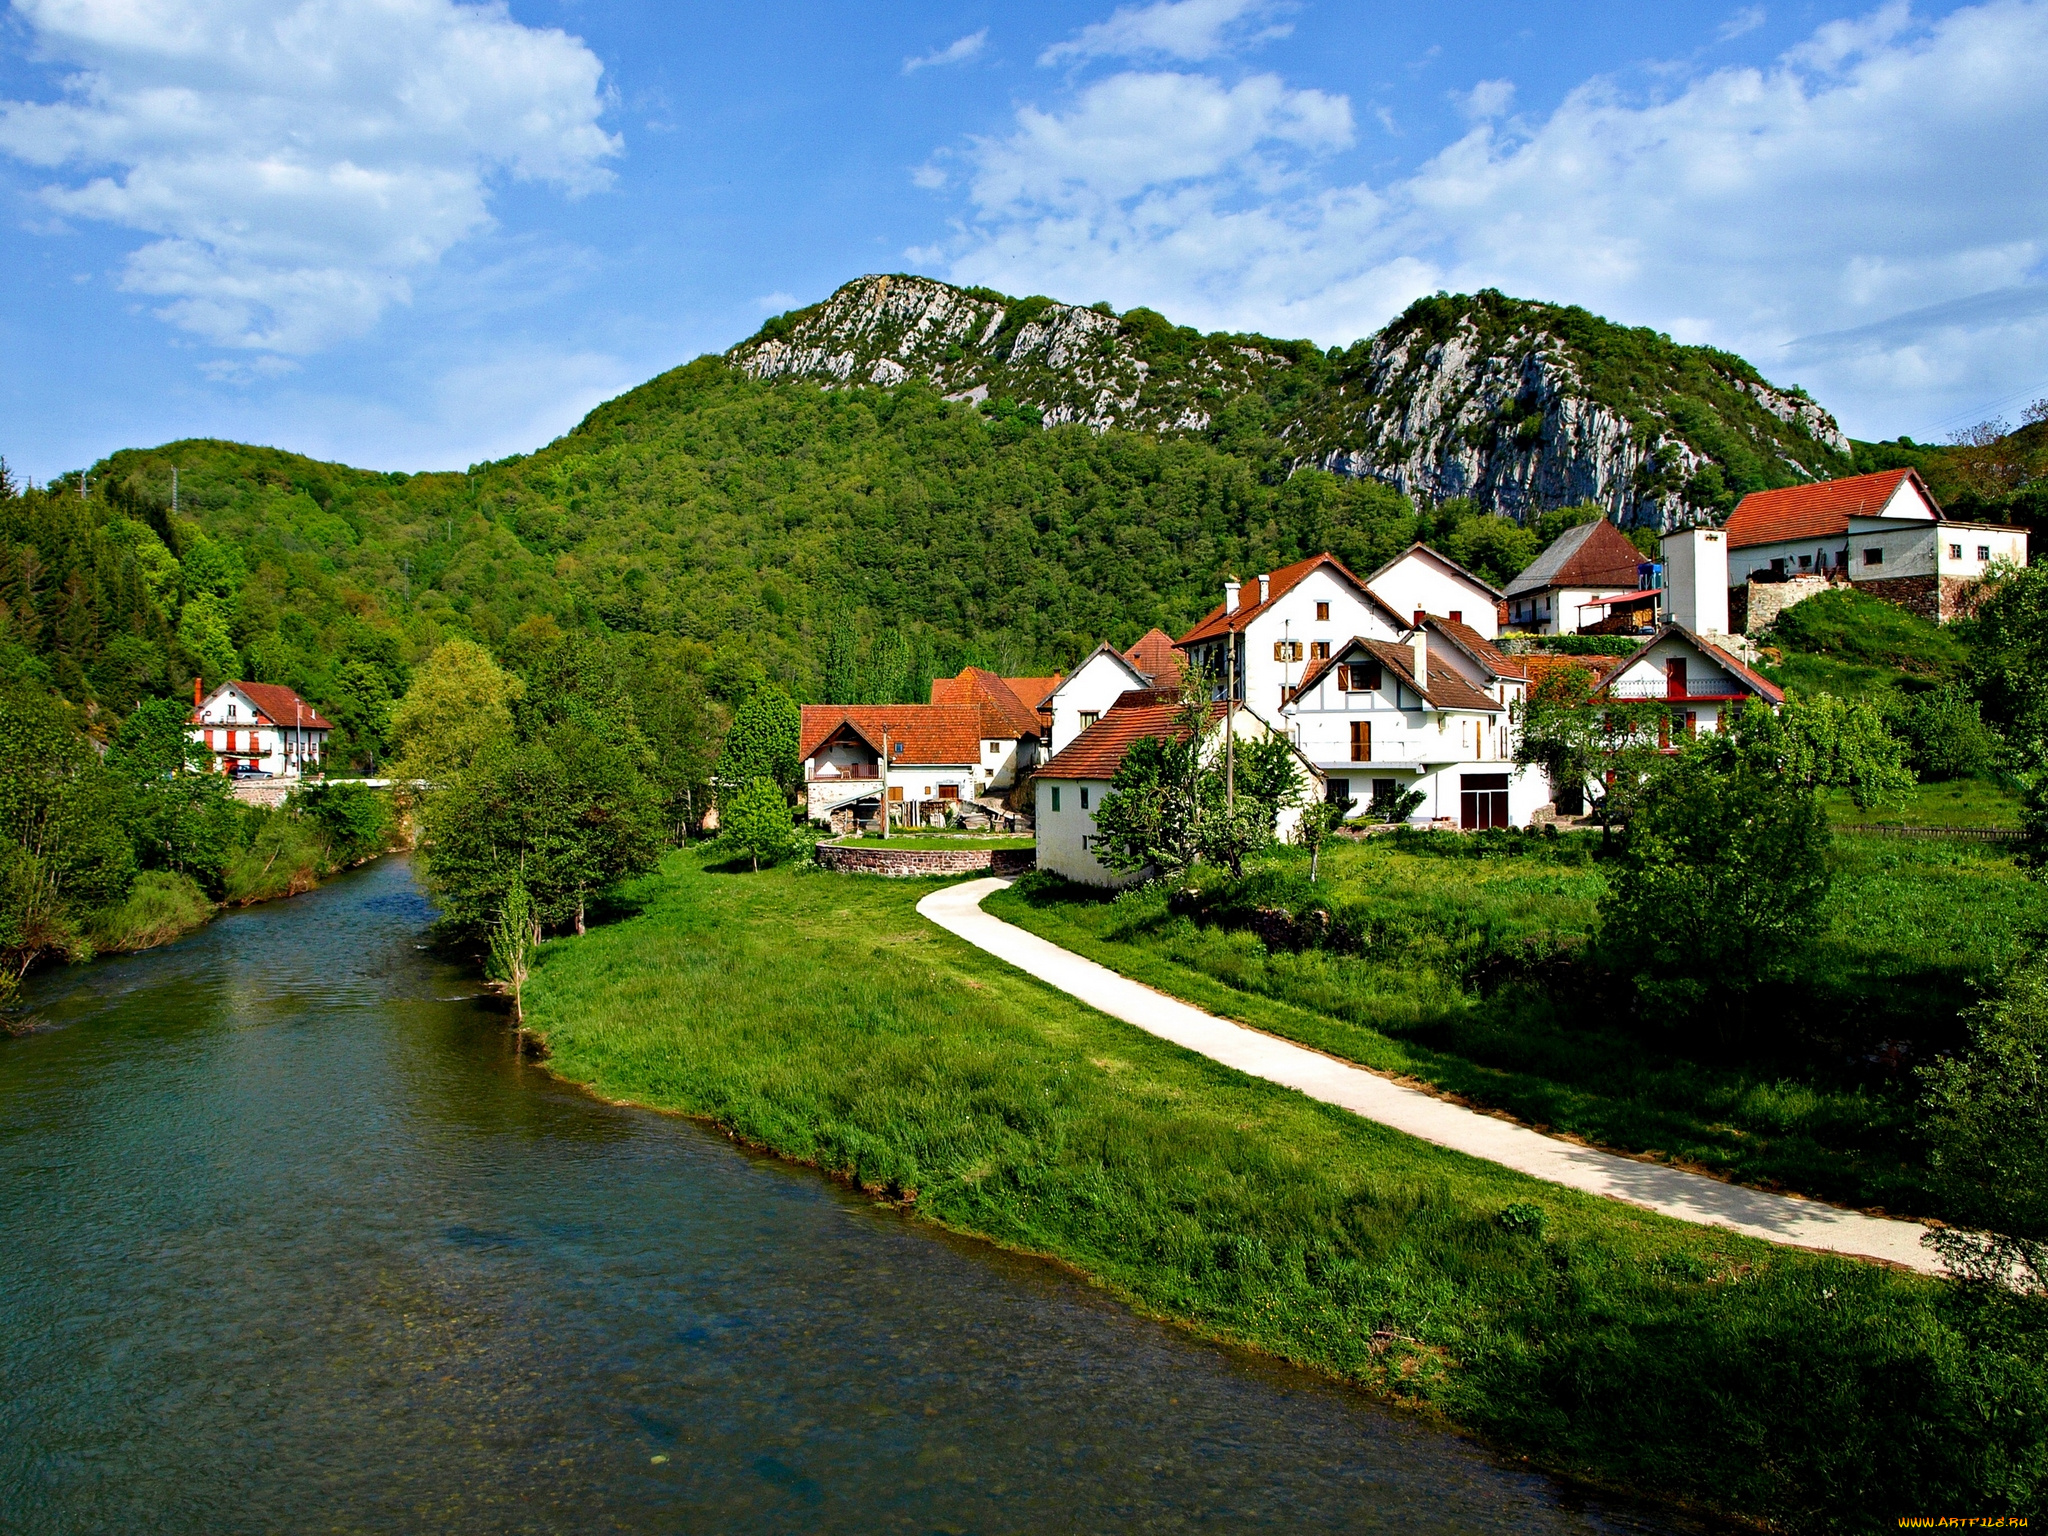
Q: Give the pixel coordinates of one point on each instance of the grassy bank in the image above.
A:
(1470, 973)
(818, 1016)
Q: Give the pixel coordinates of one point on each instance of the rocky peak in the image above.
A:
(1520, 406)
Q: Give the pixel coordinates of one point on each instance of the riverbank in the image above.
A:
(819, 1017)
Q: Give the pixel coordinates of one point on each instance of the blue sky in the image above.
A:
(415, 234)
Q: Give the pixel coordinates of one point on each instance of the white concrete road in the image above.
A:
(1671, 1191)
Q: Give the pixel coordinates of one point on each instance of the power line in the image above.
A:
(1979, 412)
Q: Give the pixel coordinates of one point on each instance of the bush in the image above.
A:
(356, 820)
(757, 824)
(160, 906)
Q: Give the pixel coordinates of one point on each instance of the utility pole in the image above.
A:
(885, 787)
(174, 490)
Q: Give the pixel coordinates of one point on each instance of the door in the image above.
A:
(1361, 741)
(1482, 801)
(1674, 678)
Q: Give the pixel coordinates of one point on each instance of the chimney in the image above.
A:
(1419, 644)
(1419, 617)
(197, 696)
(1230, 596)
(1265, 587)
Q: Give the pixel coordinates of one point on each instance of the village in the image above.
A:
(1398, 690)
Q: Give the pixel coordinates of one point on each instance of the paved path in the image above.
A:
(1672, 1191)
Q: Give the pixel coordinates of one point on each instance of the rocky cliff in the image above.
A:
(1520, 406)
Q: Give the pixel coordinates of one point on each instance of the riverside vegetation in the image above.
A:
(819, 1017)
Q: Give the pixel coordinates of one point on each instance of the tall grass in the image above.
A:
(1479, 975)
(160, 906)
(820, 1017)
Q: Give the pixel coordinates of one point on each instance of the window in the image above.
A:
(1873, 557)
(995, 746)
(1361, 741)
(1955, 552)
(1983, 551)
(1084, 797)
(1465, 735)
(1777, 567)
(1055, 798)
(1337, 791)
(231, 712)
(1806, 562)
(1319, 651)
(895, 791)
(1359, 677)
(1089, 717)
(1323, 612)
(1482, 801)
(949, 791)
(1287, 650)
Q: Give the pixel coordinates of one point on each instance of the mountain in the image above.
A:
(1519, 406)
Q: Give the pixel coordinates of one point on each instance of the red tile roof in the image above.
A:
(1032, 692)
(939, 734)
(1476, 645)
(1278, 585)
(279, 706)
(1445, 689)
(1545, 667)
(1154, 657)
(977, 686)
(1099, 751)
(1818, 511)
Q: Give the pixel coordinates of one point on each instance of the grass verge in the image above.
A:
(819, 1017)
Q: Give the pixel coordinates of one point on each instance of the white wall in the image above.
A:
(1998, 543)
(1093, 687)
(1696, 579)
(1416, 581)
(1293, 617)
(1064, 836)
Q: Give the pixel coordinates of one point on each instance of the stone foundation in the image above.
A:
(1915, 594)
(874, 859)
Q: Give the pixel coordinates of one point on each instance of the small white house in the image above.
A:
(1574, 583)
(1432, 712)
(1086, 694)
(1423, 580)
(1070, 789)
(259, 728)
(1282, 625)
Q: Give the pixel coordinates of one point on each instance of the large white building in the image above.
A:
(1424, 580)
(1282, 624)
(259, 728)
(1884, 534)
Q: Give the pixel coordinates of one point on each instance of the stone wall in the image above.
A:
(1916, 594)
(874, 859)
(269, 793)
(1760, 602)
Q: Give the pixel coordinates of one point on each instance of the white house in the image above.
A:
(1699, 680)
(1012, 721)
(1070, 788)
(259, 728)
(937, 754)
(1432, 712)
(1424, 580)
(1085, 694)
(1884, 534)
(1282, 624)
(1571, 585)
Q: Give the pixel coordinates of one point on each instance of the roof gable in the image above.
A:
(1109, 655)
(1278, 584)
(1436, 557)
(1154, 656)
(274, 703)
(1822, 510)
(1595, 554)
(944, 735)
(1444, 688)
(1755, 682)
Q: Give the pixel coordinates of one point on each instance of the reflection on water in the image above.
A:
(294, 1241)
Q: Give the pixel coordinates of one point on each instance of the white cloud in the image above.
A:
(1190, 30)
(300, 161)
(1486, 100)
(1880, 168)
(1744, 21)
(957, 52)
(774, 303)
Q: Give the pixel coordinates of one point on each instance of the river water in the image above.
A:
(291, 1240)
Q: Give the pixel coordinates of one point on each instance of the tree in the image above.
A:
(459, 704)
(1819, 741)
(180, 815)
(756, 822)
(203, 636)
(514, 935)
(762, 744)
(1270, 777)
(1609, 746)
(1720, 882)
(361, 705)
(1943, 733)
(842, 663)
(1984, 1116)
(1318, 821)
(1152, 817)
(2009, 659)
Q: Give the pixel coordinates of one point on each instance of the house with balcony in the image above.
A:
(1069, 790)
(1701, 682)
(258, 728)
(918, 758)
(1433, 711)
(1579, 583)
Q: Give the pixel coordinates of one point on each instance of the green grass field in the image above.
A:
(820, 1017)
(1953, 803)
(1475, 982)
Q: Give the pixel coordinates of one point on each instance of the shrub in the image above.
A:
(757, 823)
(1944, 734)
(159, 906)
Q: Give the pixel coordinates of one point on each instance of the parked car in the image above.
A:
(250, 773)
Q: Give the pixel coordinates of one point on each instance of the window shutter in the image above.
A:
(1343, 679)
(1361, 741)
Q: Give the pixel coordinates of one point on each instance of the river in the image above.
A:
(295, 1241)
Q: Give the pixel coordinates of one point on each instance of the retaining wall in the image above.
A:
(874, 859)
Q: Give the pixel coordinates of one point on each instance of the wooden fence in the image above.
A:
(1953, 834)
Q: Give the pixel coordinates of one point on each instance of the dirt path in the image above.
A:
(1670, 1191)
